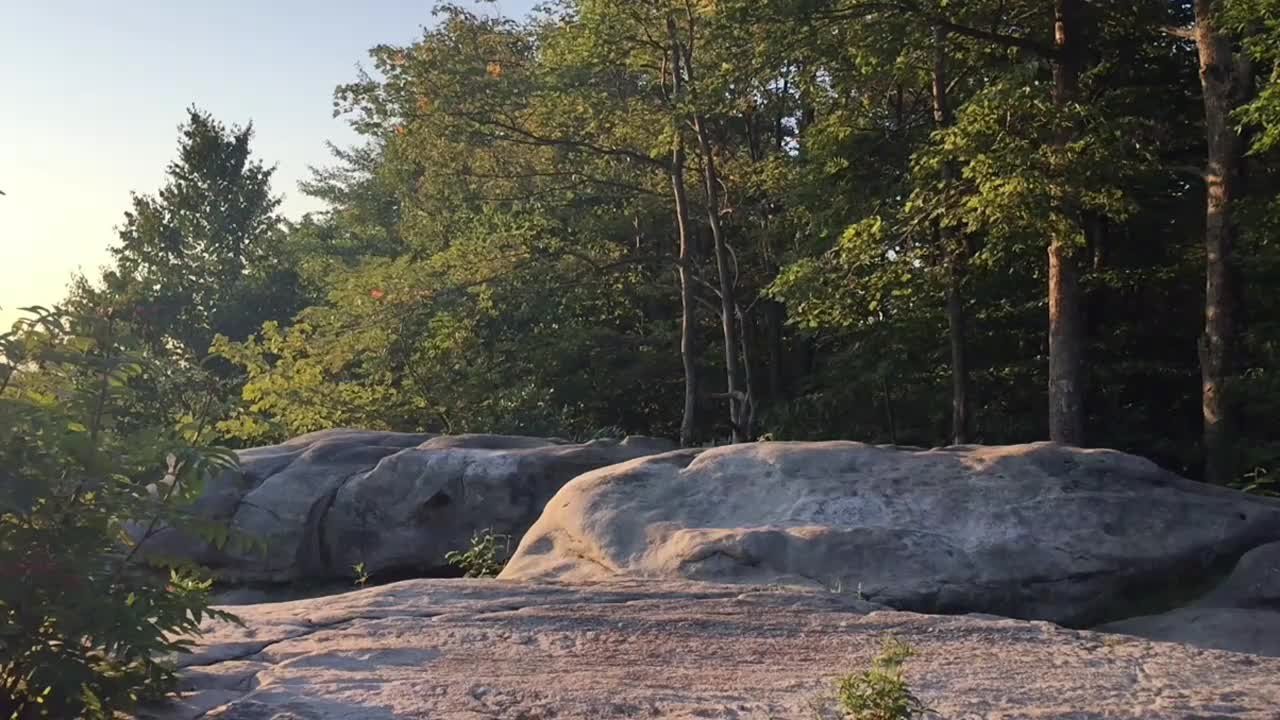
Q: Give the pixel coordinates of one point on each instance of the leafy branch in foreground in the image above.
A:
(881, 693)
(88, 624)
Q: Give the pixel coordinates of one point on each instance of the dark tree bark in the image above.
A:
(1222, 87)
(1066, 315)
(738, 402)
(750, 378)
(737, 398)
(688, 351)
(957, 256)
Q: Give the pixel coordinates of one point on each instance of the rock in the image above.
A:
(1239, 630)
(1037, 531)
(491, 649)
(1254, 583)
(1241, 614)
(318, 504)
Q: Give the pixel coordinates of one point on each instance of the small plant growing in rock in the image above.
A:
(489, 552)
(362, 574)
(881, 693)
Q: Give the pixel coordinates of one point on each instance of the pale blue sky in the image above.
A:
(92, 91)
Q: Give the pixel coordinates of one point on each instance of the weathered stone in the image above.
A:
(1254, 583)
(1036, 531)
(317, 505)
(491, 649)
(1241, 614)
(1216, 628)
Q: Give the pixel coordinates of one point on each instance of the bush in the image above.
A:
(87, 628)
(881, 693)
(488, 553)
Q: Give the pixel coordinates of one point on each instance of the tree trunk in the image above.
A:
(890, 420)
(687, 305)
(1066, 321)
(956, 253)
(1225, 153)
(749, 355)
(737, 399)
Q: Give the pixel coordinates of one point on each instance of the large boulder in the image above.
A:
(313, 507)
(485, 649)
(1037, 531)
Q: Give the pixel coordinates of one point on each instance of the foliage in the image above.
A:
(86, 626)
(500, 249)
(206, 256)
(881, 693)
(361, 573)
(488, 553)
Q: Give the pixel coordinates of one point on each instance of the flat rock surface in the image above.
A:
(493, 649)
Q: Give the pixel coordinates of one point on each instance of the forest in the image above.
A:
(901, 222)
(912, 222)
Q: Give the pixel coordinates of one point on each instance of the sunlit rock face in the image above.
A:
(312, 508)
(1039, 531)
(676, 649)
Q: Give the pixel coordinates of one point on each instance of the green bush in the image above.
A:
(488, 553)
(87, 627)
(881, 693)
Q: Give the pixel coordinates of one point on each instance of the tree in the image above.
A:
(204, 256)
(1224, 79)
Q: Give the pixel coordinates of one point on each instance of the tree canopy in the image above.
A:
(916, 222)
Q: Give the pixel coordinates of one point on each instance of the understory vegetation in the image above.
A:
(86, 623)
(918, 222)
(488, 553)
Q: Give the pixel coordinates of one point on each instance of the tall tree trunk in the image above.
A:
(687, 305)
(956, 253)
(889, 417)
(711, 180)
(737, 399)
(1066, 316)
(749, 365)
(1222, 174)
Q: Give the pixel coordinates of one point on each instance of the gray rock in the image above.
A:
(491, 649)
(1036, 531)
(1241, 614)
(417, 505)
(1238, 630)
(1254, 583)
(311, 508)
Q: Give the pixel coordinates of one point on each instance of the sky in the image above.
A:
(92, 92)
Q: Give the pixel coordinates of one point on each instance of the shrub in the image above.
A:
(87, 627)
(881, 693)
(488, 553)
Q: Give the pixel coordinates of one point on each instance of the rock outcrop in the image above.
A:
(1242, 614)
(490, 649)
(1039, 531)
(397, 502)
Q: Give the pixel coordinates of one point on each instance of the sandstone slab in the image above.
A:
(1038, 531)
(315, 506)
(491, 649)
